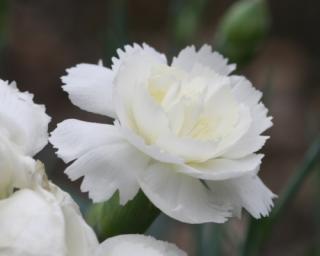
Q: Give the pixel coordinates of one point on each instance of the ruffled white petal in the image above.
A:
(137, 245)
(43, 220)
(133, 69)
(222, 168)
(130, 50)
(252, 140)
(192, 150)
(244, 92)
(152, 151)
(188, 57)
(73, 138)
(107, 169)
(30, 225)
(80, 238)
(180, 196)
(22, 122)
(90, 88)
(144, 111)
(247, 192)
(16, 170)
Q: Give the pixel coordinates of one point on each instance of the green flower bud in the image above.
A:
(242, 30)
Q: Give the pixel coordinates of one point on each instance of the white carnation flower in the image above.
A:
(23, 133)
(47, 222)
(186, 134)
(137, 245)
(43, 220)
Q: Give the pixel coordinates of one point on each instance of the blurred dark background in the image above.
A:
(41, 38)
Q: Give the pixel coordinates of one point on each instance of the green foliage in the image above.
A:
(111, 219)
(242, 30)
(260, 230)
(209, 239)
(185, 19)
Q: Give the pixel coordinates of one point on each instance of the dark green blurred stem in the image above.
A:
(117, 30)
(111, 219)
(185, 20)
(260, 230)
(209, 238)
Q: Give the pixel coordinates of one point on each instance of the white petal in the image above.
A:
(188, 57)
(149, 117)
(188, 149)
(31, 226)
(222, 168)
(248, 192)
(252, 140)
(22, 121)
(129, 50)
(152, 151)
(193, 150)
(73, 138)
(137, 245)
(90, 88)
(43, 220)
(247, 145)
(180, 196)
(244, 92)
(80, 238)
(16, 169)
(131, 74)
(108, 168)
(248, 95)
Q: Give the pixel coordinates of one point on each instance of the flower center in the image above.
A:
(197, 106)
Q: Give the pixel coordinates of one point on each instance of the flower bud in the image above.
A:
(242, 30)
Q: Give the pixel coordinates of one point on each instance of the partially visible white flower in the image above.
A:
(23, 133)
(185, 133)
(43, 221)
(137, 245)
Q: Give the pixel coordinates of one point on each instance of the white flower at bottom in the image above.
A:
(43, 220)
(137, 245)
(187, 134)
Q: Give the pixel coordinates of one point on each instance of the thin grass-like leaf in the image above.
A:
(259, 230)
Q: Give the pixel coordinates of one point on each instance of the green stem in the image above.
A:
(111, 219)
(259, 230)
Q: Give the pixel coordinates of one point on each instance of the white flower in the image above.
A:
(46, 221)
(43, 220)
(23, 133)
(137, 245)
(186, 134)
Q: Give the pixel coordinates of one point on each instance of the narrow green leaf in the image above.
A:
(259, 230)
(210, 239)
(110, 218)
